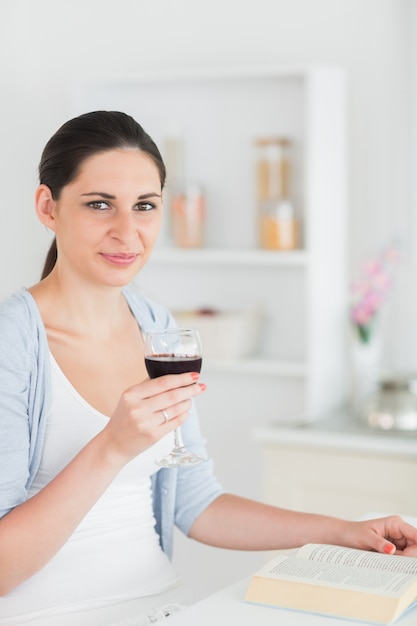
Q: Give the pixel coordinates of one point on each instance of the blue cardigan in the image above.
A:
(179, 495)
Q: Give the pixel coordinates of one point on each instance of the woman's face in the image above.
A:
(107, 220)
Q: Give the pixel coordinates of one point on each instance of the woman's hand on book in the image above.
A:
(391, 535)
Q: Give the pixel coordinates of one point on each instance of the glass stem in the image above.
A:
(178, 441)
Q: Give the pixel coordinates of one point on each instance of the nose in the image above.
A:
(124, 227)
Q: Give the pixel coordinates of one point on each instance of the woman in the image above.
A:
(86, 517)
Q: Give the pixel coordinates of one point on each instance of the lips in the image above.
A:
(120, 258)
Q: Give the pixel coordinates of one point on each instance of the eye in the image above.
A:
(145, 206)
(98, 205)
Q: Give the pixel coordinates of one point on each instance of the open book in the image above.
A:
(338, 581)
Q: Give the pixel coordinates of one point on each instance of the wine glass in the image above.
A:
(174, 351)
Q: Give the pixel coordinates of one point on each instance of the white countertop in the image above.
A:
(339, 431)
(228, 608)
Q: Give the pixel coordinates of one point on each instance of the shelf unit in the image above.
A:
(300, 364)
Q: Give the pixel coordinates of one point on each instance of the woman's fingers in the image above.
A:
(140, 418)
(174, 411)
(154, 386)
(392, 535)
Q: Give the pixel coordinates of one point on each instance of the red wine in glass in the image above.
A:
(162, 364)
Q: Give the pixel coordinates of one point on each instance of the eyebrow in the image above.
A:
(108, 196)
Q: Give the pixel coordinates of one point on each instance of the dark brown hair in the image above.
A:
(82, 137)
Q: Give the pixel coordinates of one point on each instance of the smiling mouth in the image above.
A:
(120, 258)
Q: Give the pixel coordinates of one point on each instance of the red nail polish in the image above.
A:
(195, 375)
(389, 549)
(203, 386)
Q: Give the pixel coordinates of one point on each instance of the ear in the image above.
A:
(45, 206)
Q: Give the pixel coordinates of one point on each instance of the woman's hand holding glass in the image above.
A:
(141, 417)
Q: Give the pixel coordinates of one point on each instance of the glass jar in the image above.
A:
(272, 168)
(188, 217)
(277, 222)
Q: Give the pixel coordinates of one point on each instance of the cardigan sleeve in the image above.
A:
(22, 399)
(180, 495)
(197, 486)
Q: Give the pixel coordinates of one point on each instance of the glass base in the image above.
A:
(179, 457)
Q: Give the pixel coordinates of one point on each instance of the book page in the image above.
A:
(337, 576)
(358, 558)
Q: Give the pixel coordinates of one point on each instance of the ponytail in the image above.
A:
(50, 260)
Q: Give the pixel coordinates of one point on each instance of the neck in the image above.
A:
(93, 310)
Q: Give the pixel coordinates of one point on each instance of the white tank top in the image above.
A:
(114, 553)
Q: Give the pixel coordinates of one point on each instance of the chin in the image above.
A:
(119, 281)
(119, 277)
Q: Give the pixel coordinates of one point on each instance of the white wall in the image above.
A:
(402, 341)
(49, 46)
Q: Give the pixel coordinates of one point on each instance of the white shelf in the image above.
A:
(230, 257)
(260, 367)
